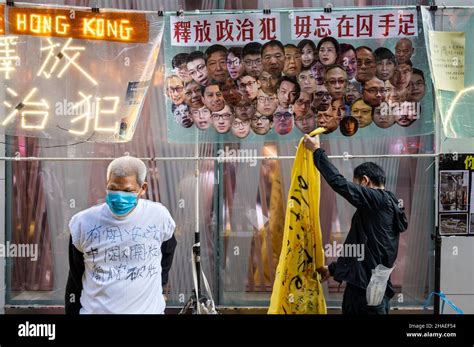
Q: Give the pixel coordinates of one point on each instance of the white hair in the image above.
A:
(127, 166)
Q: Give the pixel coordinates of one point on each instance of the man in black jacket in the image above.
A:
(376, 226)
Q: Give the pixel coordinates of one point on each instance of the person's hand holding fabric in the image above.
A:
(324, 272)
(311, 143)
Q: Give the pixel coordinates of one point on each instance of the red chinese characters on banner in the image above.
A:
(406, 25)
(322, 26)
(302, 26)
(229, 29)
(202, 31)
(345, 26)
(245, 29)
(386, 22)
(364, 26)
(354, 25)
(267, 29)
(224, 30)
(182, 31)
(240, 29)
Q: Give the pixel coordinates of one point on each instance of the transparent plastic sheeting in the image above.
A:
(73, 73)
(455, 107)
(377, 28)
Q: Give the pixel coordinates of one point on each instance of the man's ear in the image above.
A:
(144, 189)
(366, 180)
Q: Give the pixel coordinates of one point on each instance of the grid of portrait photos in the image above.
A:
(454, 202)
(282, 88)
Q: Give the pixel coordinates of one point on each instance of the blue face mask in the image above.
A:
(120, 202)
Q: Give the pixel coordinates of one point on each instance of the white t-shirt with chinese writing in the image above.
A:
(122, 258)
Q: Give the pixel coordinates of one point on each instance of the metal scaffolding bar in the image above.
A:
(224, 158)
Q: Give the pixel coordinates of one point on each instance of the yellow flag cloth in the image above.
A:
(297, 289)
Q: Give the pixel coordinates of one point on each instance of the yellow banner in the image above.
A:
(297, 289)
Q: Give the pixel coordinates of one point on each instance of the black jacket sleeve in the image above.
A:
(357, 195)
(167, 250)
(74, 281)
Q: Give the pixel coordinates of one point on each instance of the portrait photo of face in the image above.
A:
(348, 126)
(252, 58)
(383, 116)
(193, 95)
(374, 92)
(245, 109)
(303, 104)
(241, 128)
(328, 120)
(180, 68)
(283, 120)
(385, 69)
(321, 98)
(287, 91)
(249, 86)
(216, 63)
(366, 66)
(235, 65)
(181, 115)
(335, 80)
(416, 87)
(182, 72)
(362, 112)
(273, 57)
(339, 108)
(222, 120)
(386, 63)
(307, 49)
(201, 117)
(404, 50)
(268, 82)
(307, 81)
(393, 94)
(348, 60)
(261, 124)
(318, 71)
(306, 123)
(197, 68)
(328, 50)
(266, 103)
(293, 62)
(405, 113)
(402, 76)
(213, 98)
(353, 92)
(231, 94)
(175, 89)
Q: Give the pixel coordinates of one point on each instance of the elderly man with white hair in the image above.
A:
(120, 251)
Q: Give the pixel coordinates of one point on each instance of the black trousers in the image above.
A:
(354, 302)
